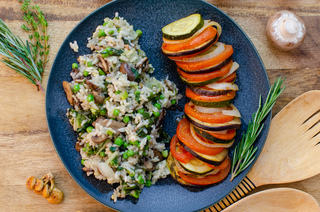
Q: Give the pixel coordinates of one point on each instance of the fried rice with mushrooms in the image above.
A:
(118, 109)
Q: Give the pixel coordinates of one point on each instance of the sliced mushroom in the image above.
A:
(169, 84)
(98, 139)
(127, 47)
(78, 146)
(160, 119)
(86, 169)
(115, 125)
(125, 69)
(97, 97)
(150, 166)
(67, 88)
(104, 64)
(91, 85)
(141, 62)
(157, 153)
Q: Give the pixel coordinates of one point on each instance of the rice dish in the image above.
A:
(117, 110)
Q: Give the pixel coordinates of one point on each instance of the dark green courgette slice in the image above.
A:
(207, 135)
(212, 104)
(215, 160)
(196, 169)
(234, 124)
(183, 28)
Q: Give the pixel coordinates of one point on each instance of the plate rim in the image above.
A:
(89, 192)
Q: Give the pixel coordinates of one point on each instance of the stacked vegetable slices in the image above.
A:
(199, 153)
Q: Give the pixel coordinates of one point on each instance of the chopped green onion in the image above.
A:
(111, 32)
(105, 23)
(164, 153)
(103, 112)
(148, 137)
(101, 72)
(117, 92)
(125, 144)
(124, 95)
(135, 194)
(112, 149)
(74, 65)
(82, 161)
(102, 154)
(109, 132)
(116, 18)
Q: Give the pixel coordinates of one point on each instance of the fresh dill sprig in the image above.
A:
(17, 56)
(37, 27)
(244, 152)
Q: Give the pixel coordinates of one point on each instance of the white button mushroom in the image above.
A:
(286, 30)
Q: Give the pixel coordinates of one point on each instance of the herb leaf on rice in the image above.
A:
(118, 109)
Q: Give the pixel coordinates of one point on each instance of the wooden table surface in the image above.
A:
(25, 144)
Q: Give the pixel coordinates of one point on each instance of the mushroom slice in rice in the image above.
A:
(125, 69)
(105, 66)
(67, 88)
(91, 85)
(98, 139)
(115, 125)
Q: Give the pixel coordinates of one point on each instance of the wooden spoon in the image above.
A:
(277, 199)
(290, 153)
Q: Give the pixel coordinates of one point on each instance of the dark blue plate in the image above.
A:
(150, 16)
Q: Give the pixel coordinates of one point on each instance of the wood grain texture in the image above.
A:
(26, 147)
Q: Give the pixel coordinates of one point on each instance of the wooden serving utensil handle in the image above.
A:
(244, 187)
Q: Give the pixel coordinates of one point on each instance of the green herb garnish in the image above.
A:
(244, 153)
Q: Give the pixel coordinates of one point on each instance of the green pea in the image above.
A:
(126, 119)
(135, 193)
(140, 180)
(111, 32)
(89, 64)
(148, 137)
(101, 33)
(157, 105)
(139, 32)
(90, 152)
(112, 149)
(137, 92)
(116, 112)
(156, 114)
(74, 65)
(90, 98)
(148, 183)
(164, 153)
(108, 49)
(173, 101)
(125, 155)
(161, 96)
(102, 154)
(141, 111)
(105, 55)
(103, 112)
(84, 149)
(82, 161)
(130, 153)
(89, 129)
(118, 141)
(76, 88)
(101, 72)
(119, 29)
(85, 73)
(117, 92)
(136, 143)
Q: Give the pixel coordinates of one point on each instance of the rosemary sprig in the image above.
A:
(37, 27)
(17, 56)
(244, 153)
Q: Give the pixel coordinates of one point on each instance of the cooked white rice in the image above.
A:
(135, 104)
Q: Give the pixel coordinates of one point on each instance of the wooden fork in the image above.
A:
(291, 152)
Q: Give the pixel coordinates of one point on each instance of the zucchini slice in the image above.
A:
(212, 104)
(234, 124)
(207, 135)
(183, 28)
(196, 166)
(208, 92)
(215, 160)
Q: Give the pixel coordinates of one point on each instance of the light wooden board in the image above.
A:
(26, 147)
